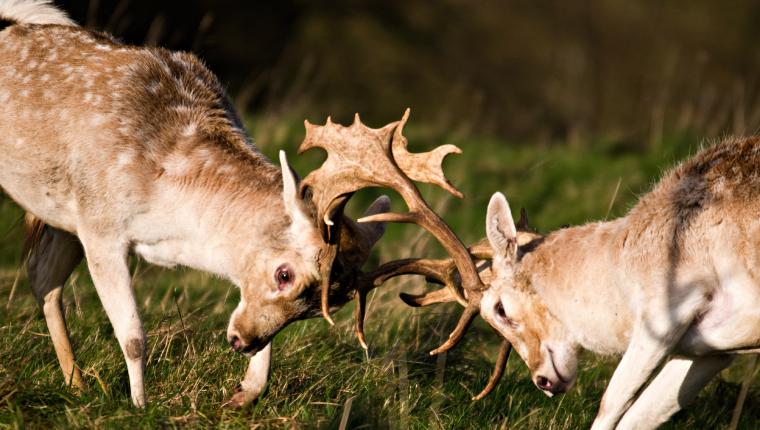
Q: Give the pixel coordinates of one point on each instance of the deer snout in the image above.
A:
(550, 386)
(235, 342)
(543, 383)
(245, 346)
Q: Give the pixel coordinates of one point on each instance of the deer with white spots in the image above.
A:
(113, 149)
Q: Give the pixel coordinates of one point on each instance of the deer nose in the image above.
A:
(236, 343)
(544, 383)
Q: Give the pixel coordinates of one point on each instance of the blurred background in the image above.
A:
(547, 71)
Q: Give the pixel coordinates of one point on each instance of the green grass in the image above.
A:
(319, 371)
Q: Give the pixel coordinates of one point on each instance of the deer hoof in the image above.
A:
(239, 400)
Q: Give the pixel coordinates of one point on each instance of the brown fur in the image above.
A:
(135, 349)
(34, 228)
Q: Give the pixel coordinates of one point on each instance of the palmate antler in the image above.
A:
(360, 157)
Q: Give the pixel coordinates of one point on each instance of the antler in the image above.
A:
(360, 157)
(498, 370)
(442, 272)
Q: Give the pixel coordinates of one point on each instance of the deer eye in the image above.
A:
(284, 276)
(502, 314)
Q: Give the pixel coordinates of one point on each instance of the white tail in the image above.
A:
(33, 12)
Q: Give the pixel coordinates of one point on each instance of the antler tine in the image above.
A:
(440, 271)
(329, 252)
(427, 168)
(522, 223)
(468, 315)
(359, 311)
(482, 250)
(418, 300)
(326, 258)
(498, 370)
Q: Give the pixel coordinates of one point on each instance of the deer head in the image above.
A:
(318, 268)
(489, 259)
(288, 275)
(514, 309)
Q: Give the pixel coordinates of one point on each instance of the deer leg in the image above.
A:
(255, 379)
(51, 261)
(652, 340)
(640, 360)
(107, 261)
(658, 328)
(675, 386)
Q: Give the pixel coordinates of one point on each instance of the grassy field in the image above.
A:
(320, 375)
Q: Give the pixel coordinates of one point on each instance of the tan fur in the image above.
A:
(139, 150)
(678, 274)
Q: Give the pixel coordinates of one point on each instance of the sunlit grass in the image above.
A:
(320, 373)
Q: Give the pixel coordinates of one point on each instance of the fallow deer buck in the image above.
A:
(674, 286)
(112, 148)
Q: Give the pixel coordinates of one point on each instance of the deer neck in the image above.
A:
(578, 273)
(216, 217)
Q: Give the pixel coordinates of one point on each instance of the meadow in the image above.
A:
(320, 377)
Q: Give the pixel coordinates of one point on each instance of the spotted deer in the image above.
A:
(673, 286)
(112, 149)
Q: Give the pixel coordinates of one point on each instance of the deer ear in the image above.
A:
(373, 231)
(500, 229)
(357, 239)
(290, 194)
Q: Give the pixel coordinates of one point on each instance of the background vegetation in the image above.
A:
(572, 109)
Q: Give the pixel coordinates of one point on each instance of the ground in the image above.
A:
(320, 375)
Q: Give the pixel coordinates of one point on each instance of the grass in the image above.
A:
(320, 374)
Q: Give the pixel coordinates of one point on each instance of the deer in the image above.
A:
(673, 287)
(114, 149)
